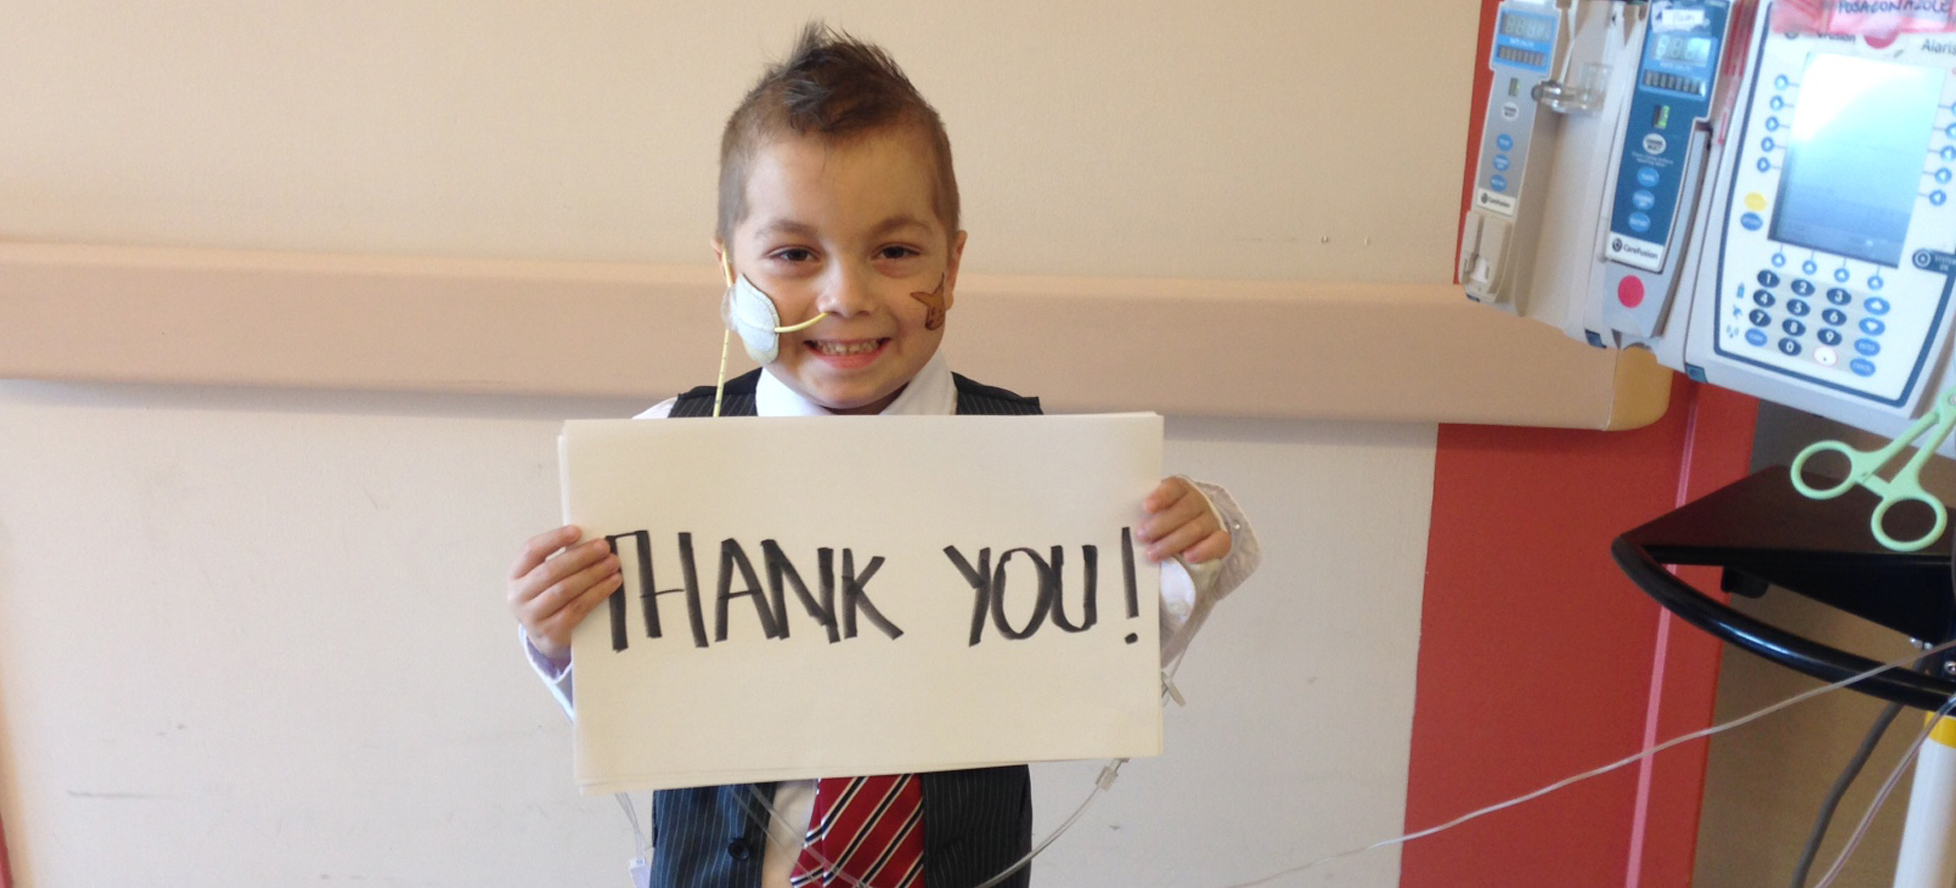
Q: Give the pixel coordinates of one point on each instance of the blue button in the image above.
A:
(1862, 367)
(1777, 103)
(1765, 165)
(1943, 176)
(1793, 327)
(1839, 296)
(1949, 152)
(1756, 337)
(1809, 266)
(1789, 347)
(1764, 298)
(1504, 142)
(1876, 305)
(1873, 327)
(1759, 318)
(1840, 274)
(1767, 143)
(1938, 198)
(1779, 260)
(1647, 176)
(1802, 287)
(1867, 347)
(1639, 222)
(1829, 337)
(1751, 222)
(1768, 279)
(1498, 182)
(1834, 316)
(1642, 199)
(1772, 124)
(1875, 283)
(1501, 163)
(1798, 308)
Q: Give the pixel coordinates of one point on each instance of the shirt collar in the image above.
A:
(930, 393)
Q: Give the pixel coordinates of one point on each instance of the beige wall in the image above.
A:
(254, 637)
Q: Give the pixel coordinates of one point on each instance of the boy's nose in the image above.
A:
(846, 293)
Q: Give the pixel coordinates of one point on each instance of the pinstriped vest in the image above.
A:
(976, 822)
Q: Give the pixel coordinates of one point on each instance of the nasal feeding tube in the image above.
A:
(748, 311)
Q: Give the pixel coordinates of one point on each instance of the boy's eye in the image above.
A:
(794, 254)
(896, 252)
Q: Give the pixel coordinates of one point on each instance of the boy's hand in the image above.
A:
(551, 595)
(1180, 522)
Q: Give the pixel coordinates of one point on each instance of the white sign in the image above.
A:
(834, 596)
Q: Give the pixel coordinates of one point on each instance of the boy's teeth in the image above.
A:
(846, 348)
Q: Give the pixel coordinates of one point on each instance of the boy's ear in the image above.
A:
(720, 256)
(951, 270)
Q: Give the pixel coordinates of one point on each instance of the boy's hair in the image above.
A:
(834, 87)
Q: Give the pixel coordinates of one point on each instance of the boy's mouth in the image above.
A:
(844, 348)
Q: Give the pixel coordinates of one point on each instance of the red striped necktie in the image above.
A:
(865, 832)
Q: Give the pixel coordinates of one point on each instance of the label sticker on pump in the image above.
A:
(1523, 52)
(1675, 80)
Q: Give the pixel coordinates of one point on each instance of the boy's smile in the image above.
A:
(848, 227)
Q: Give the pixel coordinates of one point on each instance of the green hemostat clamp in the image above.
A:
(1906, 486)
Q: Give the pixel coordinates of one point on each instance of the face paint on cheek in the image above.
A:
(933, 304)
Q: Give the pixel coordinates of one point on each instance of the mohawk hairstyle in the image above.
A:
(834, 87)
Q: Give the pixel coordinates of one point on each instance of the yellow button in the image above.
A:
(1755, 201)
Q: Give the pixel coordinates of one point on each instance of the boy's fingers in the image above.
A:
(552, 571)
(566, 592)
(1210, 548)
(539, 547)
(1178, 540)
(1159, 525)
(1165, 494)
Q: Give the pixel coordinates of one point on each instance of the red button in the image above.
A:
(1630, 291)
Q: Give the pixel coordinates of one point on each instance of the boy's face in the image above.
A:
(848, 228)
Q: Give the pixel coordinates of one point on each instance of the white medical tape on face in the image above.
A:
(751, 315)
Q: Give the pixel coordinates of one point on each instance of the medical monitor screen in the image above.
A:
(1855, 155)
(1682, 48)
(1533, 28)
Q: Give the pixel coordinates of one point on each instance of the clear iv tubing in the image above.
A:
(1881, 797)
(1630, 760)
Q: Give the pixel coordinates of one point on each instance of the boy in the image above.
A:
(839, 208)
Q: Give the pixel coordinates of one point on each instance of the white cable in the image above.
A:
(1640, 756)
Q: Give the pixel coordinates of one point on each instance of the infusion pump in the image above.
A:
(1766, 209)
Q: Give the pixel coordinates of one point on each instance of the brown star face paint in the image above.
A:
(934, 304)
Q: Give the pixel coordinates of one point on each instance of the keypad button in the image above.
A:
(1861, 367)
(1876, 305)
(1829, 337)
(1798, 308)
(1793, 327)
(1867, 348)
(1789, 347)
(1802, 287)
(1760, 318)
(1826, 357)
(1873, 326)
(1834, 316)
(1756, 337)
(1767, 278)
(1839, 296)
(1765, 298)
